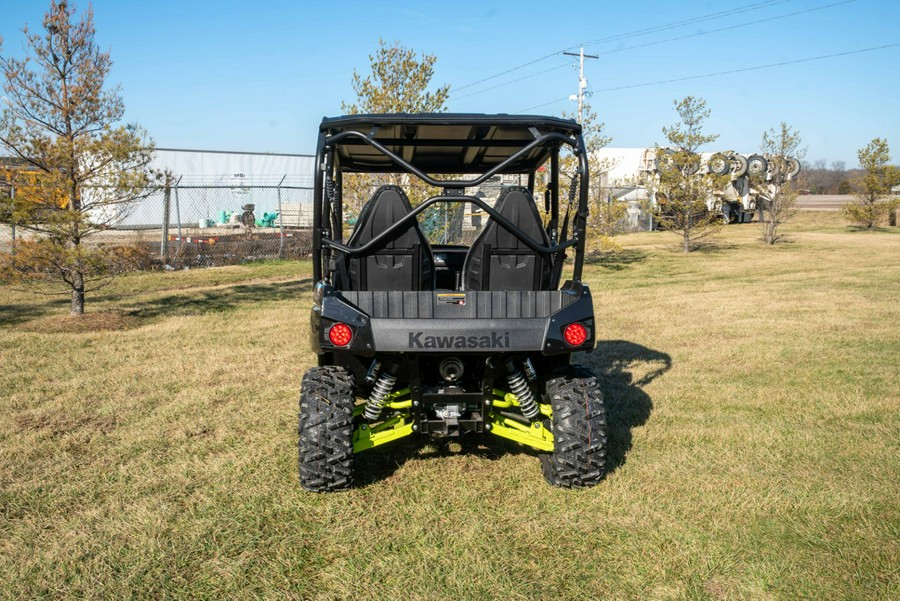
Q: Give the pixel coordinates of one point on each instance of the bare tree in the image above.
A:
(776, 196)
(818, 178)
(82, 169)
(873, 185)
(684, 188)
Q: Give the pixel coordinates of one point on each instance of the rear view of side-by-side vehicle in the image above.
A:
(424, 337)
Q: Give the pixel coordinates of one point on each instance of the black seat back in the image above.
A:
(498, 260)
(404, 262)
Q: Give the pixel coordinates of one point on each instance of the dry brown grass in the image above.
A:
(75, 324)
(755, 417)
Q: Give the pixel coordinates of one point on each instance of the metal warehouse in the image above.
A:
(209, 184)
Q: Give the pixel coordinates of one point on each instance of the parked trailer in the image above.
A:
(632, 174)
(739, 200)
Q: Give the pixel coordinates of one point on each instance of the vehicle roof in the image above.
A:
(444, 142)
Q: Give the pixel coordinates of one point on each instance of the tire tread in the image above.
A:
(325, 446)
(579, 429)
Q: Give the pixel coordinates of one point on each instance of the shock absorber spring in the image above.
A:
(519, 387)
(530, 371)
(374, 370)
(383, 387)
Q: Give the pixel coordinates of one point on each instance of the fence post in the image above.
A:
(164, 242)
(12, 222)
(280, 222)
(178, 211)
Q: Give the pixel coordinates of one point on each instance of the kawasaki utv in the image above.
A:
(428, 322)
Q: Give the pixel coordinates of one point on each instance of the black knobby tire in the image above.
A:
(326, 429)
(579, 429)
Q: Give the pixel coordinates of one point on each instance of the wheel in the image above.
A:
(665, 160)
(692, 165)
(757, 165)
(579, 429)
(718, 164)
(792, 166)
(738, 165)
(326, 429)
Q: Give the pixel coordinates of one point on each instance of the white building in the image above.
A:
(209, 184)
(216, 167)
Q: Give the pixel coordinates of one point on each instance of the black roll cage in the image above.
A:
(327, 177)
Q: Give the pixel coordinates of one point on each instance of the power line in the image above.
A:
(691, 21)
(745, 69)
(636, 33)
(537, 106)
(502, 73)
(656, 43)
(730, 27)
(512, 81)
(729, 72)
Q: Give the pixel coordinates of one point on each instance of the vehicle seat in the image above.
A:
(404, 262)
(498, 260)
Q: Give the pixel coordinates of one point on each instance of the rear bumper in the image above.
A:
(445, 322)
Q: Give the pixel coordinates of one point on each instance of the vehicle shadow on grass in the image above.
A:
(624, 368)
(226, 298)
(380, 463)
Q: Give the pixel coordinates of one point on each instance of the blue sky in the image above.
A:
(259, 76)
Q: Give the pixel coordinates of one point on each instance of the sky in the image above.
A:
(259, 76)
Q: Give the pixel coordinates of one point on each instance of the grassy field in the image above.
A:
(149, 450)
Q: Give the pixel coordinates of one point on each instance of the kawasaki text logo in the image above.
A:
(495, 340)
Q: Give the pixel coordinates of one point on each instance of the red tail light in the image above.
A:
(575, 334)
(340, 334)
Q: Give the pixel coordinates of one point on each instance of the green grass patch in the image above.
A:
(150, 451)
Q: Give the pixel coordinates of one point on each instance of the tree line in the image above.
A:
(819, 177)
(81, 168)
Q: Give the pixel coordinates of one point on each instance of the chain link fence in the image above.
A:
(7, 236)
(191, 224)
(203, 223)
(7, 231)
(195, 223)
(637, 218)
(629, 208)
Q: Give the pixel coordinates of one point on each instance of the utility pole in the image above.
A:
(582, 82)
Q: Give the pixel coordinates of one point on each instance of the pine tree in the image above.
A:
(81, 169)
